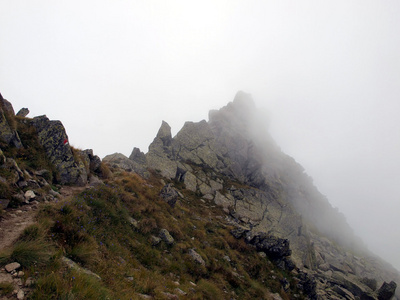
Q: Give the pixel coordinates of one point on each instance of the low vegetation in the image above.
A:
(108, 230)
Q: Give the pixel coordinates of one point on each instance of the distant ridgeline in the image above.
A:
(232, 161)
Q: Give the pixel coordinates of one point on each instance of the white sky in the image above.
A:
(327, 73)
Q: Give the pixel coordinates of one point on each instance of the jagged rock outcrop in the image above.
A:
(23, 112)
(160, 156)
(93, 161)
(387, 290)
(7, 126)
(54, 139)
(272, 196)
(118, 160)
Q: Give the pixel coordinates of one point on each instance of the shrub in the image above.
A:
(6, 288)
(31, 233)
(209, 290)
(28, 253)
(69, 285)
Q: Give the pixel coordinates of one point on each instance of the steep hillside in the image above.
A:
(216, 212)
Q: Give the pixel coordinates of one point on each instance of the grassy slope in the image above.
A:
(93, 229)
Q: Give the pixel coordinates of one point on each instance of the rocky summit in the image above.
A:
(218, 210)
(275, 206)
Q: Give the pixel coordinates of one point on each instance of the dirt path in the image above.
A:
(14, 223)
(15, 220)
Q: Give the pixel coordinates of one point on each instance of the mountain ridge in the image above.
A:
(230, 161)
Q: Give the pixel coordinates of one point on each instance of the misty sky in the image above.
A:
(326, 73)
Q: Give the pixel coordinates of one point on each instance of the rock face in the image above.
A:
(159, 157)
(7, 129)
(232, 160)
(169, 194)
(118, 160)
(387, 290)
(53, 138)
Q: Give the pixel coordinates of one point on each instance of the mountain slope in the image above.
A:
(216, 212)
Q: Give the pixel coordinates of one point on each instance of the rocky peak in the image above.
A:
(236, 116)
(164, 134)
(274, 196)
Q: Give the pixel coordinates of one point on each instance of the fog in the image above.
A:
(326, 74)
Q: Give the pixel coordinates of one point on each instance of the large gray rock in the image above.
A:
(118, 160)
(270, 193)
(54, 139)
(387, 291)
(94, 161)
(273, 246)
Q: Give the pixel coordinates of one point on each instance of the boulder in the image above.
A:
(273, 246)
(53, 138)
(190, 181)
(196, 257)
(23, 112)
(29, 195)
(166, 236)
(169, 194)
(12, 266)
(94, 161)
(387, 290)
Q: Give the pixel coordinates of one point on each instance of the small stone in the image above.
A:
(155, 240)
(54, 193)
(29, 194)
(29, 281)
(20, 295)
(262, 254)
(20, 274)
(192, 283)
(11, 267)
(133, 222)
(179, 291)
